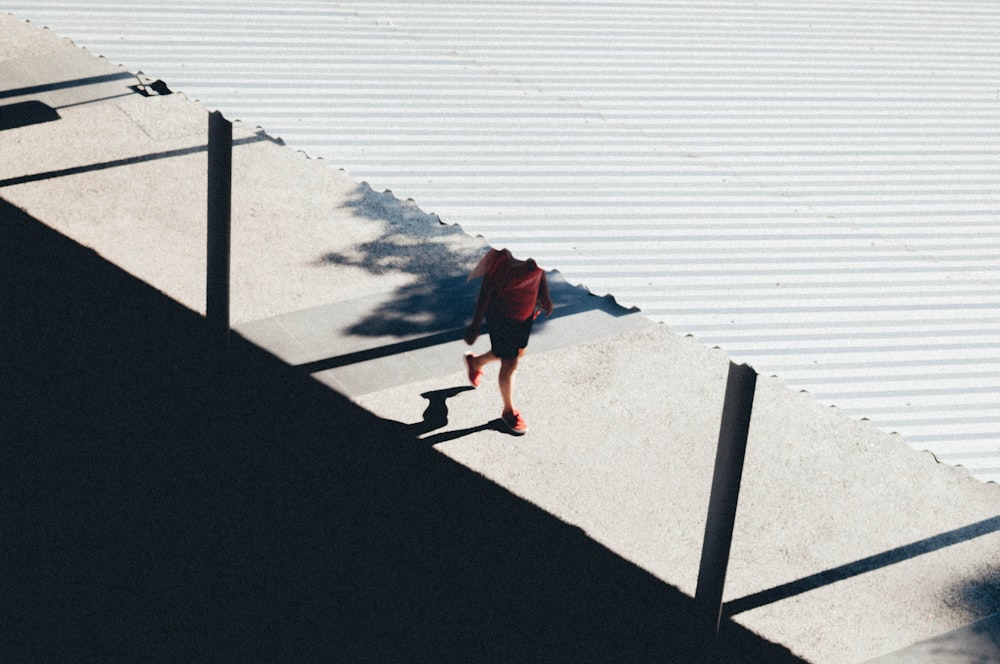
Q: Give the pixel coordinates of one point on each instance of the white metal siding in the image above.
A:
(811, 185)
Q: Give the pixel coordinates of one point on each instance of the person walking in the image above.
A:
(511, 296)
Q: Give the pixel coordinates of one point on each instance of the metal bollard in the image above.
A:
(729, 457)
(220, 176)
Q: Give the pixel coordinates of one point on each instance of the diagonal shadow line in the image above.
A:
(128, 161)
(97, 100)
(858, 567)
(62, 85)
(444, 437)
(382, 351)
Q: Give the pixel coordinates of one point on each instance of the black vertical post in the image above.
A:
(220, 168)
(729, 457)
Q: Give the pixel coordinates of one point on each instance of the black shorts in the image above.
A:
(508, 337)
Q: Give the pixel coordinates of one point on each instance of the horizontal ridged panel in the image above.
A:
(812, 186)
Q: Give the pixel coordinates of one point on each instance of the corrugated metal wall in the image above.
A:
(812, 185)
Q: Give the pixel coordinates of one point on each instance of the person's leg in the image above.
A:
(506, 380)
(508, 339)
(475, 363)
(511, 418)
(500, 345)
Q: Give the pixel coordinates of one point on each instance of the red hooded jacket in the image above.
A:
(510, 284)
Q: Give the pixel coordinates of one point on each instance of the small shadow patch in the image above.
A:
(26, 113)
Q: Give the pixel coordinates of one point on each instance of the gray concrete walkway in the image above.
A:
(978, 642)
(849, 545)
(373, 343)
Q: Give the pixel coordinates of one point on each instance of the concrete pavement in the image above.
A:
(849, 545)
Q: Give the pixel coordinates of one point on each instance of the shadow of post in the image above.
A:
(157, 510)
(975, 589)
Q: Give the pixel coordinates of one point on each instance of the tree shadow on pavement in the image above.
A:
(158, 508)
(439, 257)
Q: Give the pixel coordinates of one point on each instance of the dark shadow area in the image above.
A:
(25, 114)
(157, 508)
(980, 594)
(872, 563)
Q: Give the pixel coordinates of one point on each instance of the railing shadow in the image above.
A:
(862, 566)
(258, 137)
(65, 85)
(157, 507)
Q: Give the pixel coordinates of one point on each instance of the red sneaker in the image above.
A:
(515, 423)
(475, 375)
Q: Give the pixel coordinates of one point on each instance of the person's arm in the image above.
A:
(543, 296)
(472, 332)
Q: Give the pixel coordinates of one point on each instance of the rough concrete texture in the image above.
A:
(839, 520)
(976, 642)
(848, 544)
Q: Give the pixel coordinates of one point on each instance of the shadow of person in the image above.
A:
(445, 436)
(436, 417)
(436, 413)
